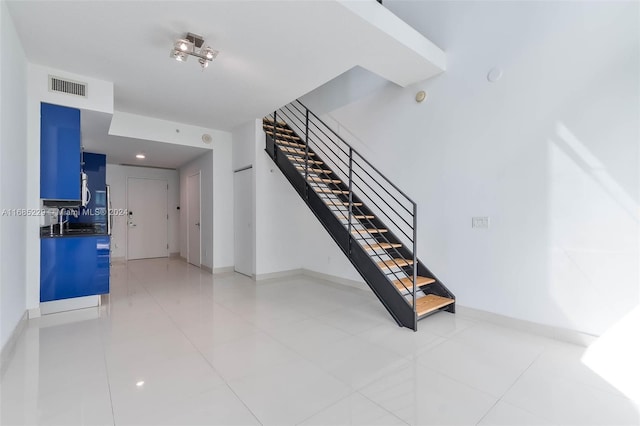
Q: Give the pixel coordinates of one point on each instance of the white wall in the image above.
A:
(279, 210)
(244, 139)
(287, 236)
(13, 134)
(550, 153)
(216, 203)
(155, 129)
(117, 176)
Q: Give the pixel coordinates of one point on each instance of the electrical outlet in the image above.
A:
(481, 222)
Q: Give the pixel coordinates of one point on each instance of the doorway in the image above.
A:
(148, 218)
(194, 235)
(243, 221)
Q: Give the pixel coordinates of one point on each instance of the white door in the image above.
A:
(148, 220)
(243, 221)
(193, 219)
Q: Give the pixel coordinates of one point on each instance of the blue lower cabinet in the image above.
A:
(74, 267)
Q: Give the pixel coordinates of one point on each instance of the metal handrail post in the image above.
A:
(350, 196)
(306, 155)
(415, 257)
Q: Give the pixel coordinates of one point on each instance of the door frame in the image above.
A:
(252, 263)
(166, 181)
(199, 174)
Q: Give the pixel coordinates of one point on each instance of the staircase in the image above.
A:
(373, 222)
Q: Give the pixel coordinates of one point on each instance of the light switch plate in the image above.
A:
(480, 222)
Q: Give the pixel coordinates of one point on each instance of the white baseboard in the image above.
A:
(118, 260)
(360, 285)
(174, 255)
(557, 333)
(8, 350)
(279, 274)
(221, 270)
(71, 304)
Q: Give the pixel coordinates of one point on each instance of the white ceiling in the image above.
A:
(119, 150)
(271, 52)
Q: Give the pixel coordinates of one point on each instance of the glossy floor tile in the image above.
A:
(174, 345)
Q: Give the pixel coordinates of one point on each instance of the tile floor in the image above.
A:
(176, 346)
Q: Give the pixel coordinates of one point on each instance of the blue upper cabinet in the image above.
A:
(59, 153)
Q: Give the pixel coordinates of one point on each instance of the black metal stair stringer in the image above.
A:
(390, 298)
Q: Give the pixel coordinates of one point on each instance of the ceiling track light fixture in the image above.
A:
(193, 45)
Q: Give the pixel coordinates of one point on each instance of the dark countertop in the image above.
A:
(74, 230)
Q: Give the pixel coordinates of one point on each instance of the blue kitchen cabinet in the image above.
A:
(59, 153)
(74, 267)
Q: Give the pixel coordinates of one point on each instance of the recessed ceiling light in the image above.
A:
(140, 156)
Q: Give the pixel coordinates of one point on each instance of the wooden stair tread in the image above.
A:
(323, 171)
(408, 282)
(270, 120)
(356, 216)
(301, 160)
(295, 151)
(342, 203)
(277, 129)
(280, 131)
(282, 135)
(430, 303)
(368, 231)
(291, 144)
(331, 191)
(381, 246)
(394, 263)
(323, 180)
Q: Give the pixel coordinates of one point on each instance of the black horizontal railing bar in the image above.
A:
(302, 131)
(329, 137)
(302, 119)
(387, 216)
(355, 162)
(365, 182)
(381, 186)
(293, 121)
(319, 146)
(383, 212)
(319, 149)
(320, 139)
(365, 186)
(317, 140)
(388, 205)
(355, 151)
(343, 175)
(331, 132)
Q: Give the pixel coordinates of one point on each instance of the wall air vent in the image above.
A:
(61, 85)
